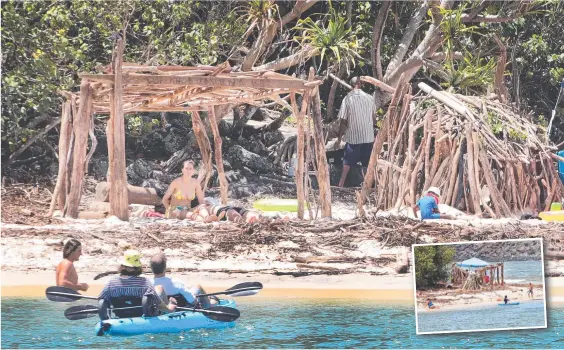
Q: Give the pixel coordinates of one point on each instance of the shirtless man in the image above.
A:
(66, 273)
(530, 292)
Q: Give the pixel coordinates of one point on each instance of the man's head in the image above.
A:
(158, 263)
(355, 82)
(131, 264)
(72, 250)
(434, 190)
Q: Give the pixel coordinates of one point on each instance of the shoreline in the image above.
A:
(478, 306)
(391, 289)
(383, 289)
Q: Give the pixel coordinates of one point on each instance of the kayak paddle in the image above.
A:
(64, 294)
(238, 290)
(217, 313)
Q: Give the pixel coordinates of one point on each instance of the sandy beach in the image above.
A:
(383, 289)
(459, 299)
(326, 259)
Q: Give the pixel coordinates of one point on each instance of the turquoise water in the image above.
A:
(527, 314)
(523, 271)
(291, 323)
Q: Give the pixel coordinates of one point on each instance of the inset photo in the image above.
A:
(479, 286)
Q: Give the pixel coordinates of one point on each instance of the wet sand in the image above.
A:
(396, 289)
(384, 289)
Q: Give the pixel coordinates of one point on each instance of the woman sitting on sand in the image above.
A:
(178, 198)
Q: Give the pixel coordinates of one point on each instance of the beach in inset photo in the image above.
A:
(479, 286)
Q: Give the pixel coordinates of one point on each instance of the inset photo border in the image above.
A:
(479, 286)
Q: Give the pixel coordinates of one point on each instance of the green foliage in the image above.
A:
(471, 75)
(537, 60)
(432, 264)
(45, 44)
(333, 39)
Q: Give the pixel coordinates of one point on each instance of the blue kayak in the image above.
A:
(516, 303)
(173, 322)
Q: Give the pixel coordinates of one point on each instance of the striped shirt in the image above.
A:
(129, 286)
(357, 109)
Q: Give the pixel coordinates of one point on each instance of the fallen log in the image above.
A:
(136, 195)
(93, 214)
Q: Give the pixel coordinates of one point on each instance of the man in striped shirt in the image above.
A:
(131, 284)
(357, 115)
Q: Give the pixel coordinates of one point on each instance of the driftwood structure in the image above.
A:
(481, 153)
(475, 279)
(130, 88)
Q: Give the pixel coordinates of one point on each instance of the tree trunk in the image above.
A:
(286, 62)
(204, 144)
(331, 99)
(59, 194)
(378, 142)
(135, 194)
(268, 33)
(377, 38)
(218, 157)
(118, 181)
(80, 131)
(322, 168)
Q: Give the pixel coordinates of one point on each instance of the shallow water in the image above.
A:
(288, 323)
(528, 314)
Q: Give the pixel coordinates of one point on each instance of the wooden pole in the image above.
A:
(80, 131)
(203, 144)
(116, 136)
(59, 194)
(323, 178)
(300, 151)
(502, 273)
(472, 180)
(378, 142)
(223, 185)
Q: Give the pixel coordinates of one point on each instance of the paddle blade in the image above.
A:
(246, 285)
(80, 312)
(62, 294)
(244, 289)
(222, 313)
(244, 293)
(104, 274)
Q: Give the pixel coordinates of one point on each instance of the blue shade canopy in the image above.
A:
(474, 262)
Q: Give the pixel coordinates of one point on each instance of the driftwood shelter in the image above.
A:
(471, 274)
(128, 88)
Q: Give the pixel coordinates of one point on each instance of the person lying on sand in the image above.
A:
(173, 290)
(211, 211)
(236, 214)
(429, 205)
(182, 191)
(66, 275)
(130, 284)
(430, 305)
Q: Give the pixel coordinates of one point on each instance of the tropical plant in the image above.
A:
(334, 38)
(432, 264)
